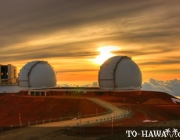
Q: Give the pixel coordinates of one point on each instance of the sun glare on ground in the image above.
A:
(105, 53)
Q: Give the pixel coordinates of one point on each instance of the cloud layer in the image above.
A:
(68, 32)
(169, 86)
(28, 26)
(93, 84)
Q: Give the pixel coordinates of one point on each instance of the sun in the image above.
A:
(105, 53)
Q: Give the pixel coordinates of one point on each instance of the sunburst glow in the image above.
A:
(105, 53)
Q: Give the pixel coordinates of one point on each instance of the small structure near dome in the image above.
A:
(120, 73)
(8, 75)
(37, 74)
(8, 79)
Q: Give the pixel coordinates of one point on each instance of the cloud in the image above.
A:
(93, 84)
(74, 51)
(169, 62)
(169, 86)
(130, 21)
(140, 51)
(60, 30)
(78, 70)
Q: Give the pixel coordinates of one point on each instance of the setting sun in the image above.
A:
(105, 53)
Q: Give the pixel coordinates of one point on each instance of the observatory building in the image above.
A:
(8, 79)
(37, 74)
(117, 75)
(120, 73)
(8, 75)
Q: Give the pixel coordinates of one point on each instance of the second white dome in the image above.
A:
(119, 72)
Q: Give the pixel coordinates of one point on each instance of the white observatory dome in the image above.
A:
(37, 74)
(119, 73)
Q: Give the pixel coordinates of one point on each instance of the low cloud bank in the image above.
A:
(169, 86)
(93, 84)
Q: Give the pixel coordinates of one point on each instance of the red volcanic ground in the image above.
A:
(43, 108)
(153, 106)
(147, 105)
(144, 105)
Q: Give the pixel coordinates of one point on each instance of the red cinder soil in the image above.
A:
(145, 106)
(145, 97)
(43, 108)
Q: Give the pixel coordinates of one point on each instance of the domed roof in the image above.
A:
(119, 72)
(37, 74)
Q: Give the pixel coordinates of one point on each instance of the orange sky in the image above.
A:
(69, 35)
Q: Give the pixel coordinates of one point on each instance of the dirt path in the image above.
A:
(54, 130)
